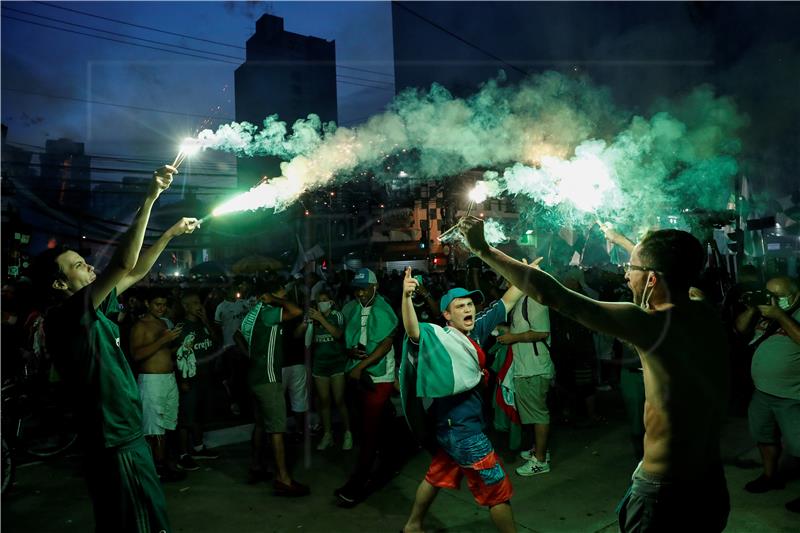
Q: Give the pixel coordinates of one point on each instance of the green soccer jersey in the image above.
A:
(262, 329)
(85, 347)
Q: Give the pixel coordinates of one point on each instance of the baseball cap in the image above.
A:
(364, 278)
(458, 292)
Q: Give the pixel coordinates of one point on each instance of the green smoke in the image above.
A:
(546, 137)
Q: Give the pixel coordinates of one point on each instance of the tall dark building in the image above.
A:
(286, 74)
(66, 175)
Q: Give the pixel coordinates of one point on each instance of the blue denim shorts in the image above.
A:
(654, 503)
(471, 450)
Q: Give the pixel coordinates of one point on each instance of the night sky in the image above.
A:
(748, 50)
(39, 60)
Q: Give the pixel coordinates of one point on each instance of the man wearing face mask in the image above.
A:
(369, 327)
(683, 349)
(774, 410)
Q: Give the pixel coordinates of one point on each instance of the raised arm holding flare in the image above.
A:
(84, 342)
(683, 348)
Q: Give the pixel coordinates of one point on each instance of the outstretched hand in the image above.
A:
(183, 226)
(410, 284)
(610, 233)
(472, 230)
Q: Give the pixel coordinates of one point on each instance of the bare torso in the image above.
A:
(146, 331)
(686, 394)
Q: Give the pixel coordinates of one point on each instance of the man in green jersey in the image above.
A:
(261, 337)
(85, 346)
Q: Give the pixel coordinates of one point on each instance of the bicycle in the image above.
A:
(36, 421)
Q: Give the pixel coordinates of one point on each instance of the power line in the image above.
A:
(112, 170)
(387, 83)
(55, 6)
(365, 70)
(136, 108)
(118, 157)
(119, 41)
(441, 28)
(150, 28)
(364, 85)
(111, 39)
(117, 34)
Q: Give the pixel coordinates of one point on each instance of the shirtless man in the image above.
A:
(683, 348)
(152, 348)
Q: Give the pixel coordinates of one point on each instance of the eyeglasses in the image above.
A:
(628, 267)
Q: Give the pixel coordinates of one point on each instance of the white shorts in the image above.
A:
(159, 395)
(295, 378)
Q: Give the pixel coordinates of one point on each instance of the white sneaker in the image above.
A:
(347, 441)
(531, 454)
(326, 442)
(533, 467)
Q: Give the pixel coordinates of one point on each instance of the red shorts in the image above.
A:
(444, 472)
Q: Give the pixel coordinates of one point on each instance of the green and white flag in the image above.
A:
(444, 362)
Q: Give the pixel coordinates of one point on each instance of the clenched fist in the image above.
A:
(183, 226)
(162, 179)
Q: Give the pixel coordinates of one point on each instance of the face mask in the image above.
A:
(372, 298)
(645, 303)
(784, 302)
(324, 307)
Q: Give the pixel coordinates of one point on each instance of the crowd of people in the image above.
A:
(499, 348)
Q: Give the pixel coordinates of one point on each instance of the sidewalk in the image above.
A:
(591, 468)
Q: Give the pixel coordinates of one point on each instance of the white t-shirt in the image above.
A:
(388, 377)
(526, 362)
(230, 316)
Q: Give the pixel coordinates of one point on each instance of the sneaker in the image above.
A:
(292, 490)
(187, 463)
(203, 453)
(764, 484)
(347, 441)
(533, 467)
(531, 454)
(326, 442)
(793, 506)
(350, 495)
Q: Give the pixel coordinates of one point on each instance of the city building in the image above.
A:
(66, 175)
(286, 74)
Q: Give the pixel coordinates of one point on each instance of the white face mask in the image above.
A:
(324, 307)
(785, 302)
(372, 298)
(645, 303)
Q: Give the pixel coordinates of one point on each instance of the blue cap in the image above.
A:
(364, 278)
(458, 292)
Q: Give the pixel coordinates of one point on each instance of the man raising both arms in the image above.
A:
(683, 348)
(125, 491)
